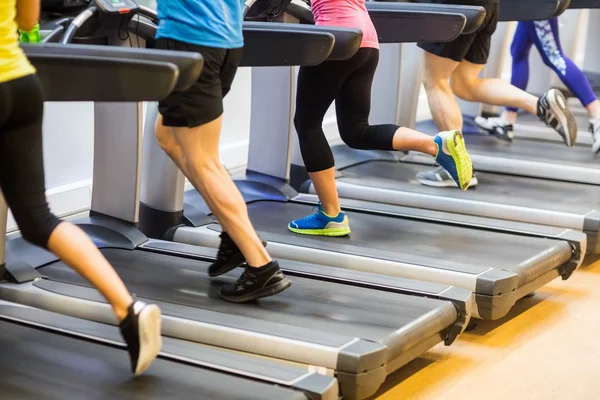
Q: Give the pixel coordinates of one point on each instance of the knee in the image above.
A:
(36, 226)
(305, 125)
(352, 135)
(463, 87)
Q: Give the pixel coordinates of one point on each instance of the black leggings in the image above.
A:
(349, 83)
(21, 159)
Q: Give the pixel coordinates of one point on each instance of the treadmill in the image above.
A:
(389, 178)
(387, 240)
(355, 330)
(529, 126)
(527, 156)
(92, 363)
(93, 360)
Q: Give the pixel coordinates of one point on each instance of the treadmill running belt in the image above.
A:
(42, 365)
(533, 150)
(398, 239)
(583, 123)
(322, 306)
(493, 188)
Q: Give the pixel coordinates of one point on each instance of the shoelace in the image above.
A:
(226, 250)
(247, 277)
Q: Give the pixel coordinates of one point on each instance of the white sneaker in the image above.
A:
(498, 127)
(595, 131)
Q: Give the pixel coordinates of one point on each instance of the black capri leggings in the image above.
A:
(349, 83)
(21, 159)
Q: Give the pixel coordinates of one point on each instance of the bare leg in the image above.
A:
(169, 144)
(324, 182)
(442, 103)
(407, 139)
(467, 85)
(593, 109)
(510, 116)
(198, 158)
(74, 247)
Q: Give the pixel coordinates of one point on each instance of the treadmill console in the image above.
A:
(120, 7)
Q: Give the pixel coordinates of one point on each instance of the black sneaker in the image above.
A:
(552, 109)
(256, 283)
(497, 127)
(229, 257)
(141, 331)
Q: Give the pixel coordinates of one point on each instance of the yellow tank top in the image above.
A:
(13, 62)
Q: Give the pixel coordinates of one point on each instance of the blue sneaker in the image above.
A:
(321, 224)
(453, 157)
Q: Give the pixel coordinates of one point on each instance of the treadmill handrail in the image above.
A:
(581, 4)
(281, 44)
(475, 14)
(562, 7)
(529, 10)
(67, 78)
(346, 43)
(188, 64)
(398, 25)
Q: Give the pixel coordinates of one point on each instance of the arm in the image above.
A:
(28, 13)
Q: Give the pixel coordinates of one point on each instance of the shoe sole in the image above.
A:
(596, 140)
(267, 291)
(149, 322)
(444, 184)
(334, 232)
(461, 158)
(565, 117)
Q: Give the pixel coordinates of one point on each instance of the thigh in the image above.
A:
(318, 87)
(522, 40)
(438, 69)
(353, 103)
(21, 154)
(229, 69)
(479, 51)
(203, 101)
(467, 72)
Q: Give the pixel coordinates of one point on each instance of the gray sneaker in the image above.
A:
(552, 109)
(439, 177)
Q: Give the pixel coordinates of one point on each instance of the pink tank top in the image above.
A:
(346, 14)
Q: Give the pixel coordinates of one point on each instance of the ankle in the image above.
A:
(510, 117)
(332, 211)
(121, 312)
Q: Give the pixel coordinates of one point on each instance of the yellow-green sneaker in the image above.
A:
(453, 157)
(321, 224)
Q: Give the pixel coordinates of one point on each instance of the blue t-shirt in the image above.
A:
(210, 23)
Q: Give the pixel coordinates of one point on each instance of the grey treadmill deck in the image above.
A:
(494, 188)
(435, 245)
(532, 120)
(36, 364)
(331, 312)
(533, 150)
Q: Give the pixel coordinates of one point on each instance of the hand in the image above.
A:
(32, 36)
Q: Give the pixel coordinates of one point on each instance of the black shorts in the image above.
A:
(202, 102)
(474, 47)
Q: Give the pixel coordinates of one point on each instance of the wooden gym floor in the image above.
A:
(547, 348)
